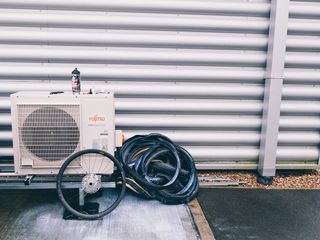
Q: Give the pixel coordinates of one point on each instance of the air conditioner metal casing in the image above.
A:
(47, 129)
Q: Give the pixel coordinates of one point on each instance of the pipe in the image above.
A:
(4, 103)
(304, 10)
(303, 27)
(37, 71)
(173, 7)
(104, 39)
(303, 44)
(168, 23)
(132, 57)
(178, 90)
(183, 106)
(302, 61)
(225, 138)
(125, 121)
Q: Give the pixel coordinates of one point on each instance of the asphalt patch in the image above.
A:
(244, 214)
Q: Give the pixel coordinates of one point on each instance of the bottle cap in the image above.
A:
(75, 71)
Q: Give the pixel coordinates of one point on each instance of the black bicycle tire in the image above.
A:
(59, 182)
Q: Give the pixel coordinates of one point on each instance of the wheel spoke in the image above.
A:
(91, 181)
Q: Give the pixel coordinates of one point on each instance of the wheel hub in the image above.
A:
(91, 183)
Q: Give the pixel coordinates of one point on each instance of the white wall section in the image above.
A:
(193, 70)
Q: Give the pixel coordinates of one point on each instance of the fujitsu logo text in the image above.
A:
(97, 118)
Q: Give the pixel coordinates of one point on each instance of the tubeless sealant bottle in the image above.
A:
(76, 89)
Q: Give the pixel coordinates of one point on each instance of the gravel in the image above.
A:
(302, 179)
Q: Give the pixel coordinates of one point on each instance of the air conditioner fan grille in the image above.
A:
(49, 132)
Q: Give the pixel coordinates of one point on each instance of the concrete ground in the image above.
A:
(244, 214)
(37, 215)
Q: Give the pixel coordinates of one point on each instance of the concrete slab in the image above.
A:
(244, 214)
(37, 214)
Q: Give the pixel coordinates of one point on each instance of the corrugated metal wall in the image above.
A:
(302, 78)
(192, 70)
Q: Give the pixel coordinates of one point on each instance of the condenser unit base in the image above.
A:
(36, 182)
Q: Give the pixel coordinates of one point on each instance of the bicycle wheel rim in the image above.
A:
(64, 201)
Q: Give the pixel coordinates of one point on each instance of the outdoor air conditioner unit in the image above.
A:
(48, 128)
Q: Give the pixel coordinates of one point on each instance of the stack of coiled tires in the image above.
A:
(159, 169)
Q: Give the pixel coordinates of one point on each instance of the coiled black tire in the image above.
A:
(159, 169)
(118, 178)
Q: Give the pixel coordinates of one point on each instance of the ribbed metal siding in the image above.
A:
(192, 70)
(302, 64)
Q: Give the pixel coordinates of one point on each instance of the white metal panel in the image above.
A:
(304, 9)
(204, 122)
(5, 119)
(119, 39)
(151, 74)
(303, 44)
(143, 89)
(6, 136)
(304, 27)
(6, 151)
(179, 90)
(302, 61)
(125, 121)
(133, 57)
(302, 64)
(224, 138)
(240, 138)
(182, 7)
(134, 22)
(232, 154)
(193, 70)
(301, 76)
(185, 106)
(4, 103)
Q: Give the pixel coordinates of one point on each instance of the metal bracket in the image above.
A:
(81, 197)
(27, 180)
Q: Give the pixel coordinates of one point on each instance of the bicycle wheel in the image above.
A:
(87, 181)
